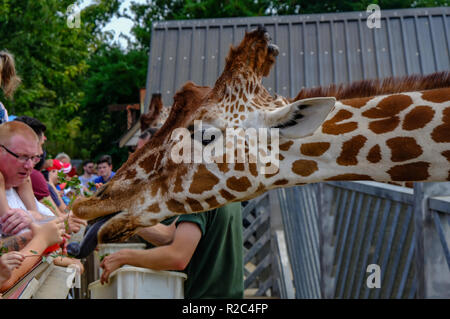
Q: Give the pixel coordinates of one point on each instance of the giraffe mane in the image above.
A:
(154, 111)
(373, 87)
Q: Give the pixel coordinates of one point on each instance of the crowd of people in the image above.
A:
(35, 209)
(36, 216)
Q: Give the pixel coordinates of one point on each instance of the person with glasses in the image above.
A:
(19, 152)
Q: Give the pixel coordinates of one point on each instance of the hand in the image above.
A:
(13, 259)
(50, 232)
(14, 221)
(5, 272)
(98, 185)
(75, 223)
(111, 263)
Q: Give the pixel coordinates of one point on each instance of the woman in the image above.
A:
(8, 81)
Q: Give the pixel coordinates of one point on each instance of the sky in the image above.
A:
(121, 25)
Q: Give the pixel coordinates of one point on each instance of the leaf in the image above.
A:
(34, 252)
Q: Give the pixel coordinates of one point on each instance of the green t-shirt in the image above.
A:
(216, 269)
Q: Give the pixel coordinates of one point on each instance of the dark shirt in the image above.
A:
(39, 184)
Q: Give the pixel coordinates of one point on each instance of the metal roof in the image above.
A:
(315, 49)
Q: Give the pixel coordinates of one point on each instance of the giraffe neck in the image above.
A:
(401, 137)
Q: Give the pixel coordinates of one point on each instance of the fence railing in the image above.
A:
(337, 231)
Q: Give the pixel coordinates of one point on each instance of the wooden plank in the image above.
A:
(263, 265)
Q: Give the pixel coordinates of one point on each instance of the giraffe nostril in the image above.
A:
(273, 49)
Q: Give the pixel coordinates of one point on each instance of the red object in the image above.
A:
(62, 185)
(51, 249)
(57, 165)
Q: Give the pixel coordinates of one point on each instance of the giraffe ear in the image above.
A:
(300, 118)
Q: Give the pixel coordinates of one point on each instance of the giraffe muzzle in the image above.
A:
(273, 49)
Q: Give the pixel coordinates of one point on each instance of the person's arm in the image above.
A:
(26, 194)
(50, 203)
(175, 256)
(4, 207)
(43, 236)
(17, 242)
(159, 234)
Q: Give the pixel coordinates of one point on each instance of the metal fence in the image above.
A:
(336, 230)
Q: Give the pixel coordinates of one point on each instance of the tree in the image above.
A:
(113, 77)
(52, 60)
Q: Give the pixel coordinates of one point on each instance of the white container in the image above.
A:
(140, 283)
(56, 285)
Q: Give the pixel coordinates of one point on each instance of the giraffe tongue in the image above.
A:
(87, 246)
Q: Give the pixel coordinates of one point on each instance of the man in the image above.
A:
(19, 152)
(208, 247)
(104, 170)
(88, 174)
(38, 182)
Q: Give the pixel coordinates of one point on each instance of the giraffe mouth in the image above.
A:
(273, 49)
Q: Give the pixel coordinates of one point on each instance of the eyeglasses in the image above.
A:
(23, 158)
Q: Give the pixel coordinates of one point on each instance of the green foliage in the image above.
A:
(114, 77)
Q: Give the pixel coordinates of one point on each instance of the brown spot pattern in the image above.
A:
(281, 182)
(356, 103)
(441, 133)
(239, 167)
(212, 202)
(130, 174)
(304, 167)
(194, 204)
(387, 110)
(350, 177)
(437, 96)
(238, 184)
(285, 146)
(384, 126)
(389, 106)
(332, 127)
(253, 169)
(175, 206)
(374, 155)
(154, 208)
(203, 180)
(227, 195)
(410, 172)
(314, 149)
(350, 150)
(418, 118)
(446, 154)
(403, 148)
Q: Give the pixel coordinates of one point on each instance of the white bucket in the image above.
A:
(107, 249)
(140, 283)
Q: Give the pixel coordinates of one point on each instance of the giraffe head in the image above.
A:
(165, 178)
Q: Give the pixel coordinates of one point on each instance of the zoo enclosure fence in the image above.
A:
(335, 230)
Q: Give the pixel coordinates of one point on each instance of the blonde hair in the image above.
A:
(10, 129)
(9, 81)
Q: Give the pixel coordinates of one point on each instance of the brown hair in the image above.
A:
(9, 81)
